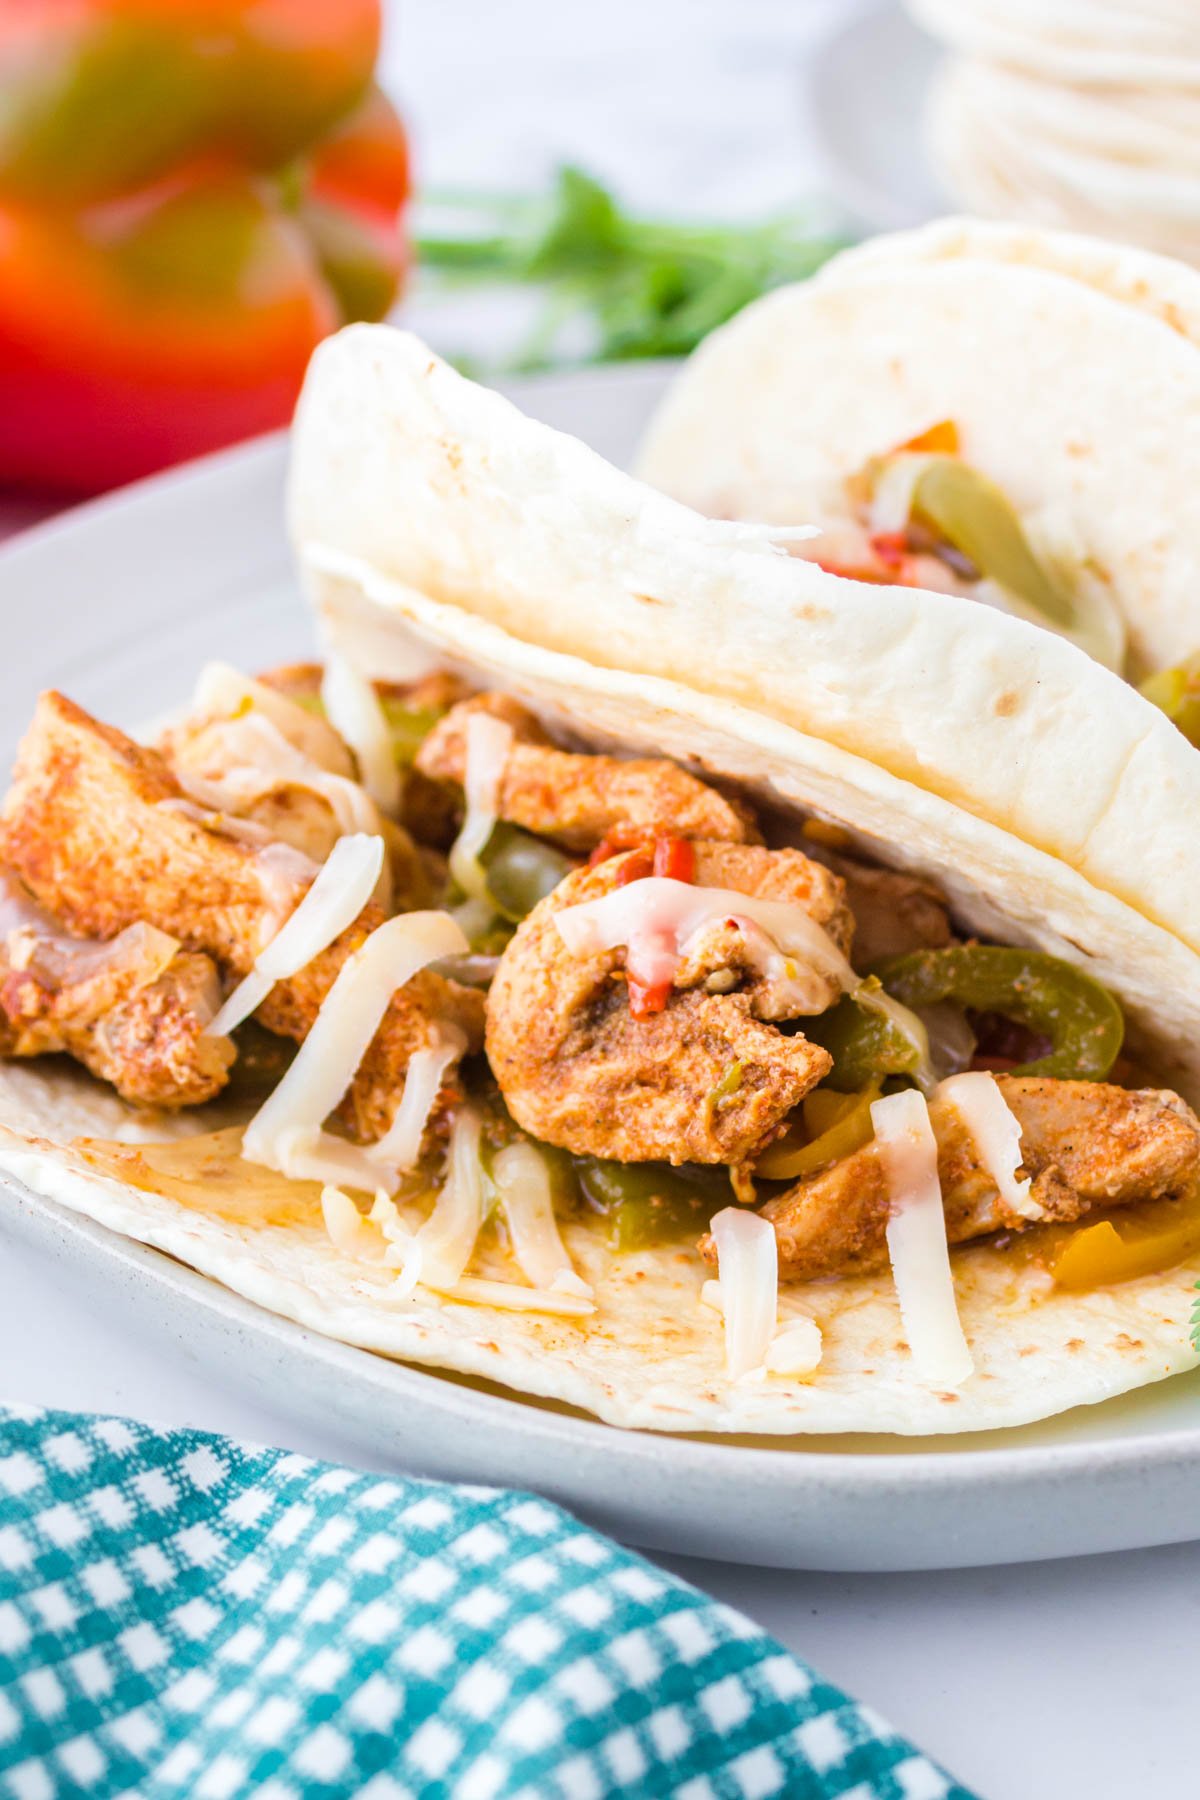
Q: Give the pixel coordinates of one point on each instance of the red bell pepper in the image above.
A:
(191, 196)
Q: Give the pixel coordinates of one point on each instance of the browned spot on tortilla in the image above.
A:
(1029, 1350)
(454, 454)
(811, 614)
(946, 1398)
(1006, 703)
(1074, 1344)
(1123, 1341)
(651, 600)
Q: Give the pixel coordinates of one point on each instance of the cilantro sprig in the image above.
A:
(614, 285)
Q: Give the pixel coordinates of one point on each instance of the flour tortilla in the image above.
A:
(1119, 43)
(1071, 367)
(1009, 146)
(505, 594)
(1039, 788)
(652, 1357)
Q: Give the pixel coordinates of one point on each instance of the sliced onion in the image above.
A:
(748, 1267)
(489, 741)
(916, 1238)
(354, 709)
(286, 1134)
(343, 886)
(225, 692)
(523, 1181)
(795, 1349)
(976, 1097)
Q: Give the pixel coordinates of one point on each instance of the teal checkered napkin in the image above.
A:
(184, 1616)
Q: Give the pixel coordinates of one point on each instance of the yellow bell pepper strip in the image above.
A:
(837, 1125)
(1154, 1236)
(1047, 996)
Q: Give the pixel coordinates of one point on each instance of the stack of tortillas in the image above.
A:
(1077, 113)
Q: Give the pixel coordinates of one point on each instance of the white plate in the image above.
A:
(866, 85)
(118, 604)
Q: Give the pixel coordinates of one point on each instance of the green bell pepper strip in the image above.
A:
(865, 1046)
(1047, 996)
(644, 1204)
(520, 870)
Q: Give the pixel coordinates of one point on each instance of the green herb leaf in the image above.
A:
(621, 285)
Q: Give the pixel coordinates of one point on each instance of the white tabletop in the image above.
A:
(1043, 1682)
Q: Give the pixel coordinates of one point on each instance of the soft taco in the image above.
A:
(503, 997)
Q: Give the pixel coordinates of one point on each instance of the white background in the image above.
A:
(1044, 1682)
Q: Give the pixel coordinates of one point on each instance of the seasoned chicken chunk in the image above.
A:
(134, 1011)
(577, 800)
(1084, 1143)
(98, 829)
(893, 912)
(706, 1079)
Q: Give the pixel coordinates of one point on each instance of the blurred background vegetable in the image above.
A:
(612, 284)
(191, 197)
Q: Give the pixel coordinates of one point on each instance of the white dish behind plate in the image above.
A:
(865, 88)
(119, 604)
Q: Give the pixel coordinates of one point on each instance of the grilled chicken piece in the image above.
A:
(579, 801)
(134, 1011)
(578, 1070)
(894, 913)
(97, 827)
(1084, 1143)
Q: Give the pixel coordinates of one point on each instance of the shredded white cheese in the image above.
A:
(489, 741)
(343, 886)
(795, 1349)
(354, 710)
(748, 1268)
(287, 1133)
(523, 1182)
(996, 1131)
(916, 1238)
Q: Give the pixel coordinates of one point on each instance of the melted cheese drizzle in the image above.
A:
(748, 1270)
(996, 1132)
(287, 1133)
(489, 741)
(343, 886)
(916, 1239)
(523, 1182)
(657, 919)
(354, 710)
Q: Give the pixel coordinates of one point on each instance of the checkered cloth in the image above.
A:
(184, 1616)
